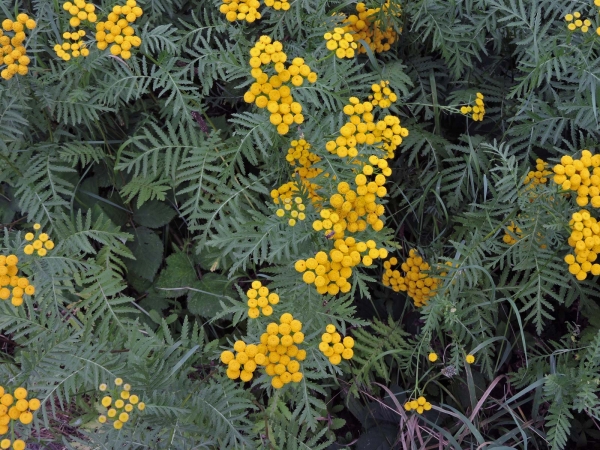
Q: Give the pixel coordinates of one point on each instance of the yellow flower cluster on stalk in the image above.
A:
(574, 175)
(284, 192)
(355, 205)
(330, 273)
(15, 407)
(575, 22)
(17, 444)
(538, 176)
(386, 133)
(509, 238)
(248, 9)
(278, 4)
(41, 242)
(273, 92)
(585, 240)
(514, 234)
(240, 10)
(15, 54)
(419, 285)
(117, 30)
(245, 361)
(120, 410)
(365, 26)
(259, 297)
(80, 12)
(341, 42)
(354, 209)
(477, 111)
(277, 352)
(8, 278)
(334, 347)
(302, 160)
(76, 47)
(294, 208)
(419, 405)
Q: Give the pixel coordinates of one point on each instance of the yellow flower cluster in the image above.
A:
(17, 444)
(277, 352)
(240, 10)
(574, 175)
(508, 238)
(118, 31)
(419, 405)
(382, 95)
(284, 192)
(299, 154)
(41, 243)
(8, 277)
(350, 207)
(420, 286)
(516, 234)
(243, 364)
(364, 26)
(334, 347)
(278, 4)
(585, 239)
(477, 110)
(272, 92)
(330, 273)
(15, 407)
(342, 42)
(119, 411)
(576, 22)
(540, 175)
(354, 206)
(295, 209)
(283, 354)
(259, 297)
(386, 134)
(80, 11)
(14, 51)
(77, 48)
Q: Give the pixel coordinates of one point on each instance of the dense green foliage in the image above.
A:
(153, 177)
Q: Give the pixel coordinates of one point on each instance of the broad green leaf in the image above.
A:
(204, 299)
(154, 214)
(148, 251)
(177, 276)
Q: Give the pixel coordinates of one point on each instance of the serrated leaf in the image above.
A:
(148, 251)
(154, 214)
(177, 276)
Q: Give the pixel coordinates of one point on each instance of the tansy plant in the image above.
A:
(278, 220)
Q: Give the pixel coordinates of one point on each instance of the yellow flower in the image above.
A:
(470, 359)
(433, 357)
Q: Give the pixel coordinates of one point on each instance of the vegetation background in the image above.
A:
(152, 176)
